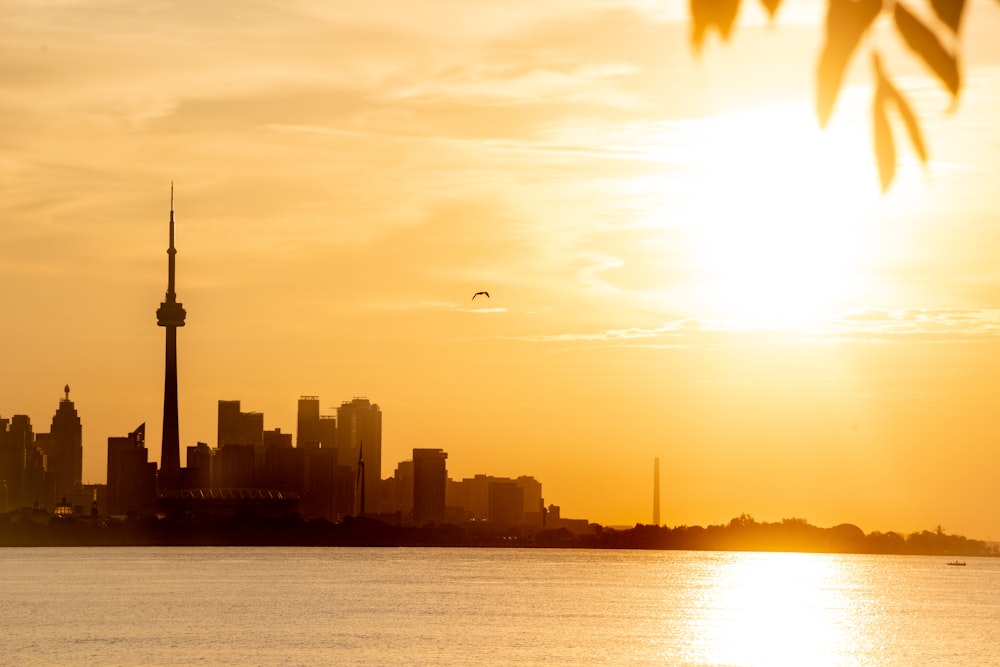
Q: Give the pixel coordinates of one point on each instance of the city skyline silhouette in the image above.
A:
(681, 264)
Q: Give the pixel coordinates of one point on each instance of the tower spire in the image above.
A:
(170, 315)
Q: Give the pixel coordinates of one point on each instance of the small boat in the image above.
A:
(960, 563)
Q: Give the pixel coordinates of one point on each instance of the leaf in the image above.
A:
(771, 6)
(950, 12)
(909, 118)
(885, 151)
(846, 22)
(920, 38)
(708, 14)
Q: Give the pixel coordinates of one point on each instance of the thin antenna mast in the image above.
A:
(359, 485)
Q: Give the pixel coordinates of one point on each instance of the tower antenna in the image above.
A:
(359, 485)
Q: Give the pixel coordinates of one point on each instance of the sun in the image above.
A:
(781, 216)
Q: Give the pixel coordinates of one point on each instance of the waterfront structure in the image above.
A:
(430, 478)
(170, 315)
(360, 420)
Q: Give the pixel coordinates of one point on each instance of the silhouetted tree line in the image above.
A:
(742, 533)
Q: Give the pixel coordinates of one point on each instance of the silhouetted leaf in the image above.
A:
(771, 6)
(885, 151)
(909, 118)
(708, 14)
(950, 12)
(920, 38)
(846, 22)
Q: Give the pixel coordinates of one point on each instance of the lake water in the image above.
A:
(337, 606)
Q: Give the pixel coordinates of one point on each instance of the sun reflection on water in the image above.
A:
(772, 609)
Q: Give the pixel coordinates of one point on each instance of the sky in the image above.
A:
(681, 263)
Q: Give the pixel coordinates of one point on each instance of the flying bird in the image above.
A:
(486, 294)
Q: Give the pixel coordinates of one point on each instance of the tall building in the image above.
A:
(307, 429)
(22, 464)
(430, 479)
(359, 422)
(131, 475)
(506, 503)
(241, 428)
(476, 498)
(198, 471)
(656, 492)
(63, 447)
(170, 315)
(328, 431)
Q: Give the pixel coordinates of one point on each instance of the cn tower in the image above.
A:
(170, 315)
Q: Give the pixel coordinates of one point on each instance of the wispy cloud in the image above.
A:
(871, 325)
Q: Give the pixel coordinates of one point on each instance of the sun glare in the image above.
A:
(780, 214)
(775, 609)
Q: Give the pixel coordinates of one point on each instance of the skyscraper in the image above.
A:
(131, 476)
(241, 428)
(308, 429)
(63, 447)
(21, 462)
(360, 421)
(170, 315)
(430, 479)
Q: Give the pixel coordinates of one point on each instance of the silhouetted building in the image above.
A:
(131, 476)
(276, 438)
(170, 315)
(87, 500)
(328, 431)
(22, 464)
(285, 469)
(307, 426)
(475, 497)
(198, 472)
(63, 447)
(506, 503)
(312, 473)
(12, 451)
(233, 467)
(320, 498)
(555, 521)
(360, 421)
(430, 476)
(241, 428)
(534, 506)
(397, 491)
(230, 424)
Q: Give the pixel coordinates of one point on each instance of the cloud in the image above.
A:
(871, 325)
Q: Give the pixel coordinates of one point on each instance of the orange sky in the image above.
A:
(681, 264)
